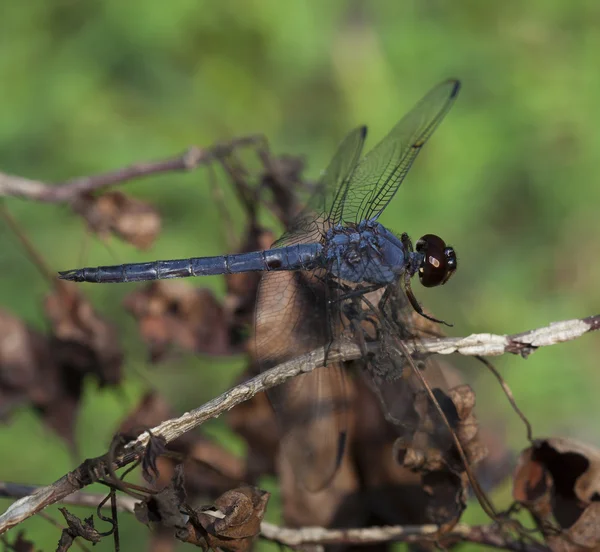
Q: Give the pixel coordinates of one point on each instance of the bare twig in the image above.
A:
(18, 186)
(522, 343)
(125, 503)
(477, 344)
(486, 535)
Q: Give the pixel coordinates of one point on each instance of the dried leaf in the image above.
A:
(132, 220)
(33, 371)
(165, 507)
(582, 536)
(419, 477)
(558, 481)
(176, 314)
(155, 448)
(27, 371)
(233, 522)
(76, 528)
(83, 340)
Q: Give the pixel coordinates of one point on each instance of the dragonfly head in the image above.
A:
(439, 260)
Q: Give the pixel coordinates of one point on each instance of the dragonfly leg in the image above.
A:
(360, 338)
(406, 242)
(358, 292)
(384, 298)
(415, 304)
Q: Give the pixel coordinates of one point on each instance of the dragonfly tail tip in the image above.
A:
(71, 275)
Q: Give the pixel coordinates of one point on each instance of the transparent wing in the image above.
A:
(378, 176)
(324, 208)
(297, 313)
(293, 318)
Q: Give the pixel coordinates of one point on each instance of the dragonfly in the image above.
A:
(320, 280)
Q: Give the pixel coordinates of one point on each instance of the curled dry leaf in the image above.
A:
(156, 447)
(232, 523)
(430, 447)
(48, 372)
(418, 477)
(31, 373)
(130, 219)
(176, 314)
(76, 528)
(165, 508)
(433, 454)
(81, 343)
(558, 481)
(27, 371)
(83, 340)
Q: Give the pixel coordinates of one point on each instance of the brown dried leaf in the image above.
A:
(155, 448)
(76, 528)
(83, 340)
(132, 220)
(393, 493)
(27, 373)
(431, 448)
(165, 507)
(582, 536)
(419, 477)
(234, 520)
(558, 481)
(176, 314)
(33, 370)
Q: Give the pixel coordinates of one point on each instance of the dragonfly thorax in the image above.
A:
(365, 253)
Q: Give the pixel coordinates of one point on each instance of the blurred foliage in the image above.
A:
(510, 178)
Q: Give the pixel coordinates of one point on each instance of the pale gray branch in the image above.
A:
(125, 503)
(522, 343)
(489, 535)
(477, 344)
(17, 186)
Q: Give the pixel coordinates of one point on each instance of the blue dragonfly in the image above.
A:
(318, 277)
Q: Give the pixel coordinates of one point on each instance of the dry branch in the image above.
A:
(125, 503)
(485, 535)
(476, 344)
(489, 535)
(17, 186)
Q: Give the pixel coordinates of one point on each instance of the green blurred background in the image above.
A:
(510, 178)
